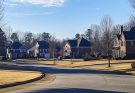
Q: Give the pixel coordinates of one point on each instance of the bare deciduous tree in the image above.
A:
(132, 3)
(21, 35)
(96, 40)
(52, 48)
(132, 18)
(1, 12)
(107, 38)
(8, 31)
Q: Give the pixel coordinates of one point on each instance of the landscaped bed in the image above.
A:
(14, 76)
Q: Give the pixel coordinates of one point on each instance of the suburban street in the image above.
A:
(67, 46)
(78, 80)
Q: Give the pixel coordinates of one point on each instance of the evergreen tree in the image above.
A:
(77, 36)
(46, 36)
(88, 34)
(29, 40)
(14, 37)
(3, 40)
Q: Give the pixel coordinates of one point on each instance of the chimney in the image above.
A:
(121, 29)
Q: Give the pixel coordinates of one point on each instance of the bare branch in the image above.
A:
(1, 11)
(132, 3)
(107, 39)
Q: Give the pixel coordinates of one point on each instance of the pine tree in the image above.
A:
(3, 40)
(14, 37)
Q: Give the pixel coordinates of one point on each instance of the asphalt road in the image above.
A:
(78, 80)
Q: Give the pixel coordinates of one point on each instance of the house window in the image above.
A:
(132, 43)
(14, 50)
(21, 50)
(115, 43)
(41, 50)
(122, 43)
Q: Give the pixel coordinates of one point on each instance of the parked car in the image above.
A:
(2, 58)
(60, 57)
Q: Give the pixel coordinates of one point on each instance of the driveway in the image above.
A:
(78, 80)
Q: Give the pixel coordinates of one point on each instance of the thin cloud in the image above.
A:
(44, 3)
(10, 4)
(28, 14)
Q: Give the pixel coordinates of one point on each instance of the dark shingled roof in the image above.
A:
(82, 42)
(43, 44)
(16, 45)
(73, 43)
(130, 35)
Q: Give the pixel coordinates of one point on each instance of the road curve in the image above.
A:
(77, 80)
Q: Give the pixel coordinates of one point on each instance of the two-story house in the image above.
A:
(41, 50)
(124, 43)
(78, 47)
(16, 50)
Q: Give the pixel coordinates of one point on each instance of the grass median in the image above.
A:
(14, 76)
(125, 68)
(77, 63)
(121, 65)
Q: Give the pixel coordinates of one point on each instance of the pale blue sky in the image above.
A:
(64, 18)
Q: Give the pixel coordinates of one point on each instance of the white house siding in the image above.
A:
(36, 51)
(67, 50)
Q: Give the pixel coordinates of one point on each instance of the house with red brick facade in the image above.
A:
(77, 48)
(124, 43)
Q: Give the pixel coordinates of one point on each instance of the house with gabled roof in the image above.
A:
(40, 49)
(124, 43)
(16, 50)
(77, 48)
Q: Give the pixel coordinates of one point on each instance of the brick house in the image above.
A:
(77, 48)
(124, 43)
(40, 49)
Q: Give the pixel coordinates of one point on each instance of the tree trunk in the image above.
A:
(109, 62)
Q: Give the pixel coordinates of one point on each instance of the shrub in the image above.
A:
(88, 57)
(128, 57)
(119, 58)
(104, 57)
(1, 58)
(67, 57)
(133, 65)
